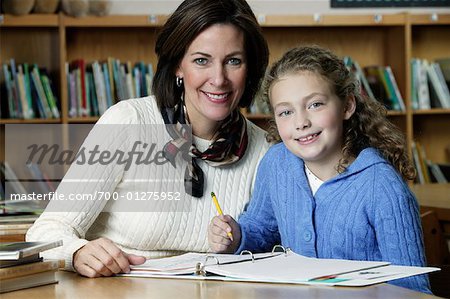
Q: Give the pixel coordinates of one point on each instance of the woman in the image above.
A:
(211, 57)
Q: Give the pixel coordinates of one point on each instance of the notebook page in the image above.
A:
(290, 267)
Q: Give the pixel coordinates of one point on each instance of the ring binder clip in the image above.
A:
(248, 252)
(212, 257)
(200, 269)
(274, 249)
(285, 250)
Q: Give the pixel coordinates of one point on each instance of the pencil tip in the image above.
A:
(212, 194)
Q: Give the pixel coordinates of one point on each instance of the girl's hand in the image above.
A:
(219, 238)
(101, 257)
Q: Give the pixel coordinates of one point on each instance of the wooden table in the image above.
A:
(72, 285)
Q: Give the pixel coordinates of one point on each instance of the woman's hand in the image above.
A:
(101, 257)
(218, 234)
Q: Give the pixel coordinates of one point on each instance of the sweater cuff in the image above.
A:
(243, 241)
(70, 250)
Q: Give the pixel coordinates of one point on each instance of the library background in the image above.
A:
(67, 65)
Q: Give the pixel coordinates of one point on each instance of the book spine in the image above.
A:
(82, 65)
(414, 85)
(15, 90)
(111, 80)
(35, 96)
(424, 92)
(396, 90)
(28, 90)
(73, 110)
(22, 93)
(35, 75)
(9, 92)
(446, 93)
(99, 87)
(50, 96)
(28, 269)
(415, 154)
(109, 98)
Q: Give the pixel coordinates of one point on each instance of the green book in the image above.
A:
(28, 90)
(50, 96)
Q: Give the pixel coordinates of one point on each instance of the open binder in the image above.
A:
(274, 267)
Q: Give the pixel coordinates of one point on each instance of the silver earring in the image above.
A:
(179, 81)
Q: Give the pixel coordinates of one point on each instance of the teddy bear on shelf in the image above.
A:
(79, 8)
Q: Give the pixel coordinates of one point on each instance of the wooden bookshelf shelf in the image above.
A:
(331, 20)
(89, 119)
(430, 19)
(30, 121)
(115, 21)
(31, 20)
(378, 39)
(432, 111)
(258, 116)
(396, 113)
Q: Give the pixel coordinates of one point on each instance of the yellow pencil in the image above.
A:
(219, 210)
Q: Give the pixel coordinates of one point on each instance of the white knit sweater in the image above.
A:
(151, 234)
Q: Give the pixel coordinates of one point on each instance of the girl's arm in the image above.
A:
(398, 228)
(259, 229)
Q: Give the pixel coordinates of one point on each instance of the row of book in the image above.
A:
(21, 265)
(377, 82)
(28, 91)
(12, 184)
(94, 87)
(430, 83)
(427, 170)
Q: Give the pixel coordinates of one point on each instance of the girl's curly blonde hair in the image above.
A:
(367, 127)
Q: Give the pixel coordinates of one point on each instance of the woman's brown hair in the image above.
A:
(186, 23)
(367, 127)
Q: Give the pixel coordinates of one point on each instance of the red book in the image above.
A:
(81, 65)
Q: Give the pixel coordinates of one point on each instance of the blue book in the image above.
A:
(109, 99)
(15, 90)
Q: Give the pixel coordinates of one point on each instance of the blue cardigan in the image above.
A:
(365, 213)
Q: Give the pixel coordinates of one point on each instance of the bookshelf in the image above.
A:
(430, 39)
(388, 39)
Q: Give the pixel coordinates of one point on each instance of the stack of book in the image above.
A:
(22, 267)
(14, 227)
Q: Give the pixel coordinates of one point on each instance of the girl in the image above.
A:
(334, 188)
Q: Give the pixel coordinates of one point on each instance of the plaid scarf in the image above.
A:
(228, 146)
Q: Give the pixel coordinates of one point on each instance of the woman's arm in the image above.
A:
(69, 220)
